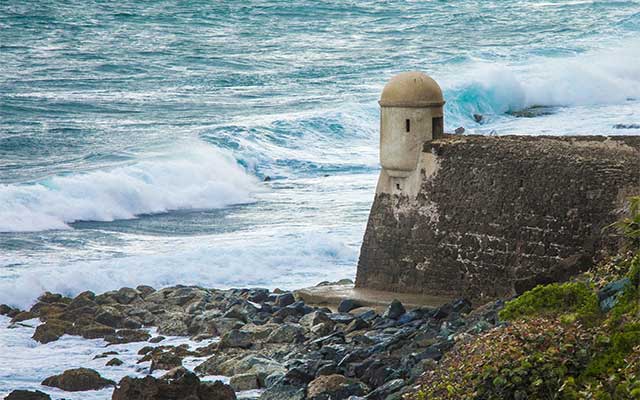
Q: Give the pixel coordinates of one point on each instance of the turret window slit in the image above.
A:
(407, 124)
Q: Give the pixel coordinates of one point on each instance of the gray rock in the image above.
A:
(244, 382)
(114, 362)
(385, 390)
(236, 338)
(287, 333)
(78, 380)
(356, 325)
(327, 387)
(174, 324)
(27, 395)
(347, 305)
(342, 318)
(126, 295)
(285, 299)
(395, 310)
(314, 318)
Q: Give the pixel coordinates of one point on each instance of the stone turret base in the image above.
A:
(485, 217)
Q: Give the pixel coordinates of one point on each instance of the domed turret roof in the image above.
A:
(411, 89)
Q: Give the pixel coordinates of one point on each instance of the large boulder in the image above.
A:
(244, 382)
(174, 324)
(78, 380)
(335, 386)
(236, 338)
(27, 395)
(287, 333)
(51, 330)
(395, 310)
(177, 384)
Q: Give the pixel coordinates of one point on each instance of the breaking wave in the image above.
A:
(193, 177)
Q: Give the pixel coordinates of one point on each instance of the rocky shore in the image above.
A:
(270, 342)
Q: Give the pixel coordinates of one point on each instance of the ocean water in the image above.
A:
(135, 137)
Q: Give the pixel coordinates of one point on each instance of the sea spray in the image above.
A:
(191, 177)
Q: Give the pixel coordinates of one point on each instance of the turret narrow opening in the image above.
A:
(408, 125)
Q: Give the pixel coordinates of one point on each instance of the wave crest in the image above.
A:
(193, 177)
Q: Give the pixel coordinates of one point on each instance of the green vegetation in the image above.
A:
(560, 341)
(629, 227)
(576, 299)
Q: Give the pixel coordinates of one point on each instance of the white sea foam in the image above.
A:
(601, 77)
(24, 363)
(275, 259)
(193, 177)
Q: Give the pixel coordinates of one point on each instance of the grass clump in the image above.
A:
(575, 298)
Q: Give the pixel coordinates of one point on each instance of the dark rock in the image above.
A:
(382, 392)
(96, 331)
(126, 295)
(27, 395)
(332, 338)
(462, 306)
(328, 387)
(479, 118)
(8, 311)
(287, 333)
(315, 318)
(341, 318)
(84, 299)
(78, 380)
(145, 290)
(395, 310)
(297, 377)
(131, 323)
(533, 111)
(165, 360)
(626, 126)
(244, 382)
(443, 311)
(410, 316)
(128, 336)
(51, 330)
(156, 339)
(258, 295)
(347, 305)
(106, 354)
(285, 299)
(432, 352)
(236, 338)
(114, 362)
(110, 316)
(177, 384)
(282, 391)
(368, 315)
(459, 130)
(23, 316)
(356, 325)
(174, 324)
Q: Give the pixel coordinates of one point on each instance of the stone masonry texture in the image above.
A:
(501, 215)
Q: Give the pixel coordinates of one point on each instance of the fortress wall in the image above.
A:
(487, 217)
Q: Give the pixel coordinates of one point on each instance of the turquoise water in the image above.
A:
(135, 137)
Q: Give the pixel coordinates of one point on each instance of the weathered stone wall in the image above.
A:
(490, 217)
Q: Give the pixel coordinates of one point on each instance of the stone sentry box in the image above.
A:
(410, 114)
(486, 217)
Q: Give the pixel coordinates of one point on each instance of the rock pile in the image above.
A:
(270, 341)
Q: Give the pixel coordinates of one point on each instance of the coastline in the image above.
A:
(263, 344)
